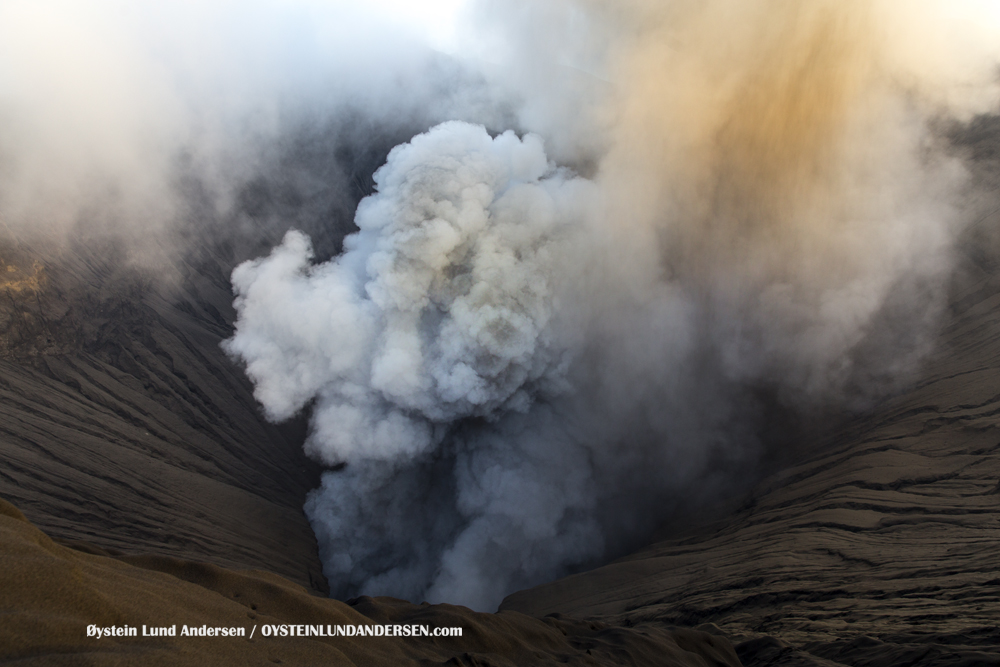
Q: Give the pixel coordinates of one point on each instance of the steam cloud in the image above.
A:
(606, 266)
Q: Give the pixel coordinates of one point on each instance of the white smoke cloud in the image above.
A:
(104, 104)
(442, 311)
(439, 309)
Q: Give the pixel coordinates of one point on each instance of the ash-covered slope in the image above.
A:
(882, 549)
(124, 425)
(122, 421)
(58, 592)
(883, 546)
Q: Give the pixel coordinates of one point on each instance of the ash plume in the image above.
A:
(619, 254)
(518, 370)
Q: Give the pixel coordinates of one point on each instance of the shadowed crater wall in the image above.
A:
(122, 422)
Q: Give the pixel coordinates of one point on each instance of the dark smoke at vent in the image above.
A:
(611, 267)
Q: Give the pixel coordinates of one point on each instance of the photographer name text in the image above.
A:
(387, 630)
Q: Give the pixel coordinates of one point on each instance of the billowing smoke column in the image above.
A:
(439, 309)
(437, 323)
(515, 371)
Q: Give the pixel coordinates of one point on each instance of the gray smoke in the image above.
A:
(427, 345)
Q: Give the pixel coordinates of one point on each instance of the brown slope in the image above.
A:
(49, 594)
